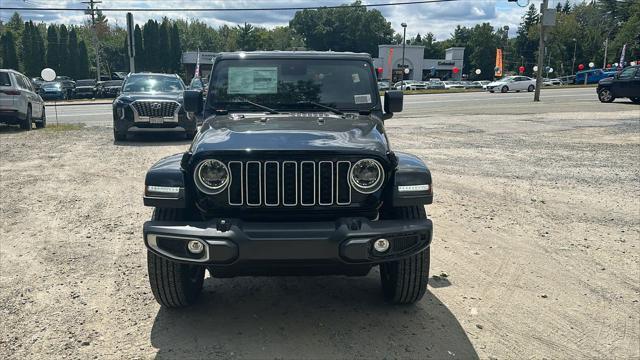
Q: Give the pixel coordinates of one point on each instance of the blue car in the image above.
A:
(593, 76)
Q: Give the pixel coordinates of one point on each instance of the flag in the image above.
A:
(624, 50)
(197, 72)
(498, 68)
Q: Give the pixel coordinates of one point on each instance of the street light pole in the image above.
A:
(573, 64)
(541, 47)
(404, 43)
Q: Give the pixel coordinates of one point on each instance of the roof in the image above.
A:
(294, 55)
(150, 73)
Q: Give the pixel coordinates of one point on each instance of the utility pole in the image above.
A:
(404, 42)
(96, 43)
(541, 47)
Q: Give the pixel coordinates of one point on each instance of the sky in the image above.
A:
(438, 18)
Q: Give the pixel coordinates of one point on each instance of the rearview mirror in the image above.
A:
(393, 100)
(193, 101)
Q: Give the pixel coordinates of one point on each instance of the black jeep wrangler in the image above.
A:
(290, 174)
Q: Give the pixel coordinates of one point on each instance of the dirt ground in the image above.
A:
(535, 253)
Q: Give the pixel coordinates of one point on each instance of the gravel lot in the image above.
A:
(535, 252)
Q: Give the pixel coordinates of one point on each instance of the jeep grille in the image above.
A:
(289, 183)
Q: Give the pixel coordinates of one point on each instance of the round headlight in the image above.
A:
(211, 176)
(367, 175)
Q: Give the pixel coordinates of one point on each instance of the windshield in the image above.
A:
(112, 83)
(292, 84)
(52, 85)
(153, 84)
(85, 82)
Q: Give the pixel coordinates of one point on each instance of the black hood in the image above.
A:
(293, 132)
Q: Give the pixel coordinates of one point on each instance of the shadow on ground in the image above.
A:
(154, 139)
(10, 129)
(307, 317)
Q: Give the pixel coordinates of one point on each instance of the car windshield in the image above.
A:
(52, 85)
(293, 84)
(85, 82)
(153, 84)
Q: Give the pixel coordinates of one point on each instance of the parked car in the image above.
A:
(566, 80)
(37, 83)
(512, 83)
(625, 84)
(291, 174)
(483, 83)
(53, 90)
(435, 84)
(383, 85)
(152, 103)
(68, 85)
(109, 89)
(20, 104)
(471, 85)
(453, 85)
(409, 85)
(593, 76)
(85, 89)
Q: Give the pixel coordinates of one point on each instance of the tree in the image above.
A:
(432, 49)
(343, 29)
(164, 46)
(566, 9)
(139, 58)
(63, 51)
(9, 53)
(52, 47)
(176, 49)
(151, 45)
(83, 61)
(247, 37)
(72, 61)
(526, 44)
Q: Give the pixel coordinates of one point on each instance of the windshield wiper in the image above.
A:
(266, 108)
(326, 107)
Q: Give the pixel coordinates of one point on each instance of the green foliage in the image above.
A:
(83, 61)
(343, 29)
(63, 52)
(73, 54)
(175, 53)
(9, 53)
(52, 47)
(137, 38)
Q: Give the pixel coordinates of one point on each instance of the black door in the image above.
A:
(624, 83)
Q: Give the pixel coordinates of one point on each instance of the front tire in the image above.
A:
(405, 281)
(174, 285)
(605, 95)
(27, 122)
(117, 135)
(504, 89)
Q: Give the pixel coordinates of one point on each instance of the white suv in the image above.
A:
(19, 102)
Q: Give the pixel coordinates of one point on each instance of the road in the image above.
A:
(474, 103)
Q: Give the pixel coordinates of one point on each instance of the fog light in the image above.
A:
(195, 247)
(381, 245)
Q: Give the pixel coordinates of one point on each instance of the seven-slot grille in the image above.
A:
(151, 108)
(289, 183)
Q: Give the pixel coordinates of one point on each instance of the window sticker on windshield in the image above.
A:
(362, 99)
(253, 80)
(355, 77)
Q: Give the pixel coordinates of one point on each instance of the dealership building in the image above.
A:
(390, 60)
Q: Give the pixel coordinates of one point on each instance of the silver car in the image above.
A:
(19, 102)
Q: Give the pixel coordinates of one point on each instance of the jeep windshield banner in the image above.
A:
(253, 80)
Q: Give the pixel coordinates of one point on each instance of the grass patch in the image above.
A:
(64, 127)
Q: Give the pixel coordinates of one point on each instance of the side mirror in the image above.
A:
(393, 100)
(193, 101)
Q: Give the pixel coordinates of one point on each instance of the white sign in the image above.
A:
(535, 68)
(591, 65)
(550, 70)
(406, 70)
(478, 71)
(253, 80)
(48, 74)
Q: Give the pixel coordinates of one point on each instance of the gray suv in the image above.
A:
(19, 102)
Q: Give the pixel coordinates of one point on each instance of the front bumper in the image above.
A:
(236, 244)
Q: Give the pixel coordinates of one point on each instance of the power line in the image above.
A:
(285, 8)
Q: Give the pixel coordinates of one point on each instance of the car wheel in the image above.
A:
(605, 95)
(117, 135)
(491, 91)
(405, 281)
(42, 123)
(531, 88)
(504, 89)
(26, 123)
(174, 284)
(636, 100)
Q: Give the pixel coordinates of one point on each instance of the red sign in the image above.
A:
(456, 70)
(521, 69)
(581, 67)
